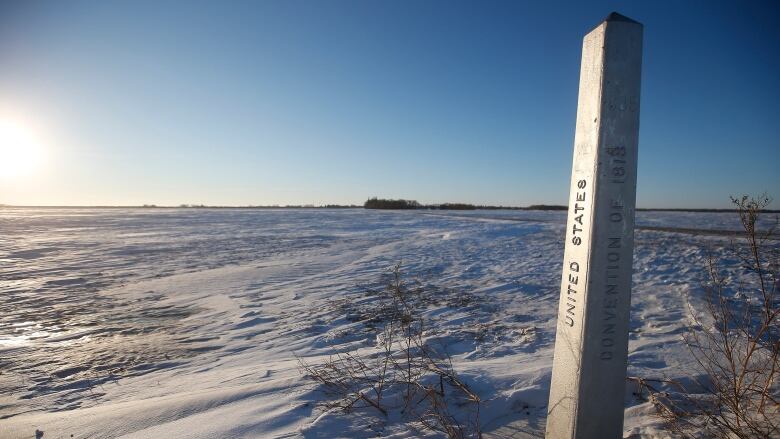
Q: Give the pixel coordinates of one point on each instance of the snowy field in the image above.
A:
(168, 323)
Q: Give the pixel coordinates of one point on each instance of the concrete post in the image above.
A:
(591, 345)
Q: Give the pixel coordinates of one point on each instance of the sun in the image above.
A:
(21, 150)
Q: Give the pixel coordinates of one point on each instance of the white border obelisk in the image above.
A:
(591, 345)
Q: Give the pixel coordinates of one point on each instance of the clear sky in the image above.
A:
(298, 102)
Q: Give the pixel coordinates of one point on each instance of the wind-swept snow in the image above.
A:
(172, 323)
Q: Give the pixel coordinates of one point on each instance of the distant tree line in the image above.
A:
(382, 203)
(454, 206)
(547, 207)
(379, 203)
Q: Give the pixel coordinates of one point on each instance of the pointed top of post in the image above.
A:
(614, 16)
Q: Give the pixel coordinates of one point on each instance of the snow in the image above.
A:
(187, 323)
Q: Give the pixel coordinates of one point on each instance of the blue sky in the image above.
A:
(298, 102)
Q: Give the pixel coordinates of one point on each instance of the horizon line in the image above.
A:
(543, 207)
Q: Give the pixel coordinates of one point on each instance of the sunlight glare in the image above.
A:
(21, 150)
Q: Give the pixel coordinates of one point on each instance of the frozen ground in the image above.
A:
(146, 323)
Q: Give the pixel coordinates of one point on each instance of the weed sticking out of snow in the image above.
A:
(402, 377)
(734, 339)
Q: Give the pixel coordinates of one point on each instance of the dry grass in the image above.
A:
(404, 374)
(736, 345)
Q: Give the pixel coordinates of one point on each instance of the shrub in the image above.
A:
(403, 373)
(736, 346)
